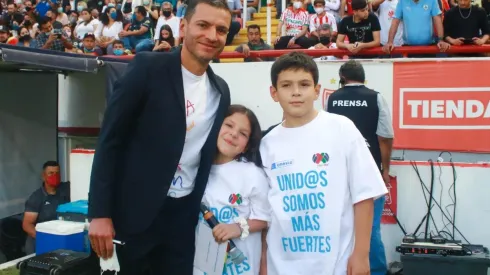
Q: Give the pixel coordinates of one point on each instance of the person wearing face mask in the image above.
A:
(118, 48)
(42, 204)
(42, 7)
(167, 18)
(295, 19)
(325, 42)
(61, 16)
(138, 36)
(86, 25)
(25, 39)
(319, 18)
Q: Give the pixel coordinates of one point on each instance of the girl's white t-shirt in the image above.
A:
(317, 172)
(239, 189)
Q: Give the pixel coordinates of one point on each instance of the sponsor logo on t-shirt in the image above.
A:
(281, 164)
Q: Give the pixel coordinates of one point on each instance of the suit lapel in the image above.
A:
(175, 65)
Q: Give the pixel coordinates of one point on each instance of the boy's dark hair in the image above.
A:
(192, 5)
(141, 10)
(44, 20)
(319, 2)
(352, 70)
(117, 42)
(294, 61)
(50, 163)
(253, 26)
(359, 4)
(252, 151)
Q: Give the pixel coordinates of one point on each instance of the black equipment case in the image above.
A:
(60, 262)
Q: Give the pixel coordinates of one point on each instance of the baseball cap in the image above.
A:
(89, 34)
(4, 28)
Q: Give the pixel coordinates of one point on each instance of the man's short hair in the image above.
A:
(359, 4)
(352, 70)
(141, 10)
(44, 20)
(294, 61)
(166, 3)
(254, 26)
(191, 6)
(319, 2)
(50, 163)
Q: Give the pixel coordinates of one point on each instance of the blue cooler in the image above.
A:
(59, 234)
(76, 211)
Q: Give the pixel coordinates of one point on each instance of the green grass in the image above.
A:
(10, 271)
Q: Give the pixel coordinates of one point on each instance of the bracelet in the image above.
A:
(243, 224)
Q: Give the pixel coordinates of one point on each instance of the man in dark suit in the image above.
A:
(156, 147)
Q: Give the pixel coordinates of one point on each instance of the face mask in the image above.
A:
(28, 9)
(60, 10)
(298, 5)
(67, 34)
(134, 17)
(318, 10)
(118, 6)
(100, 3)
(24, 38)
(325, 40)
(166, 13)
(80, 8)
(15, 27)
(111, 5)
(118, 51)
(53, 180)
(146, 3)
(114, 15)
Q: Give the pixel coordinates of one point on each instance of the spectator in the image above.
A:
(60, 16)
(166, 40)
(255, 43)
(332, 7)
(51, 15)
(151, 13)
(81, 6)
(109, 28)
(167, 18)
(85, 25)
(295, 19)
(325, 42)
(42, 7)
(73, 18)
(29, 23)
(4, 34)
(320, 18)
(417, 17)
(95, 15)
(361, 28)
(49, 40)
(138, 37)
(346, 9)
(181, 8)
(236, 9)
(109, 4)
(13, 18)
(385, 10)
(118, 48)
(252, 7)
(88, 46)
(466, 24)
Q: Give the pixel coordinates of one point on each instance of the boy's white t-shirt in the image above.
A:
(317, 172)
(239, 189)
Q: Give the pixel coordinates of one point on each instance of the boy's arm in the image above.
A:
(363, 222)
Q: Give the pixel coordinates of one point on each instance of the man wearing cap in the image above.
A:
(371, 115)
(4, 34)
(88, 45)
(362, 29)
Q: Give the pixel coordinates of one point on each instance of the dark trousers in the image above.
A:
(167, 246)
(234, 29)
(282, 44)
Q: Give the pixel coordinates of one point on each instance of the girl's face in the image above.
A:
(23, 32)
(85, 15)
(233, 136)
(165, 34)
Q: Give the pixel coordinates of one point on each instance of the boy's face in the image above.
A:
(296, 92)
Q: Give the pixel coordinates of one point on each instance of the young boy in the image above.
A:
(323, 181)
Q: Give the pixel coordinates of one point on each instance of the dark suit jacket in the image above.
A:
(141, 142)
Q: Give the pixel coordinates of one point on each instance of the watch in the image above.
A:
(242, 222)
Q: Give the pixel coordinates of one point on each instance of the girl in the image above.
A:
(85, 25)
(237, 190)
(166, 41)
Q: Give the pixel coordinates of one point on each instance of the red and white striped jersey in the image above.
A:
(316, 22)
(294, 20)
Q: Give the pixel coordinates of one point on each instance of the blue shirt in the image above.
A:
(417, 20)
(42, 7)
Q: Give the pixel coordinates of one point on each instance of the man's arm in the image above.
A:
(385, 133)
(30, 215)
(120, 115)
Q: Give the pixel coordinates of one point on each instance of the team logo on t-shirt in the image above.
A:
(320, 158)
(235, 198)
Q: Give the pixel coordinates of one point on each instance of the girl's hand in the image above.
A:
(224, 232)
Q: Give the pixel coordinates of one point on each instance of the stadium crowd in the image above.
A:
(125, 27)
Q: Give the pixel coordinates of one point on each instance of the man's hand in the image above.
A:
(101, 232)
(224, 232)
(443, 46)
(388, 47)
(52, 38)
(456, 42)
(386, 176)
(291, 42)
(276, 40)
(478, 41)
(358, 264)
(320, 46)
(123, 33)
(246, 50)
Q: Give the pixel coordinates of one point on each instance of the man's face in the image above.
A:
(28, 4)
(139, 16)
(319, 7)
(89, 43)
(11, 8)
(324, 33)
(362, 13)
(296, 92)
(118, 46)
(166, 8)
(4, 36)
(254, 36)
(47, 27)
(464, 3)
(95, 13)
(50, 171)
(205, 32)
(49, 14)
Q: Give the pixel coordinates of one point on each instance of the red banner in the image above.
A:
(389, 209)
(442, 105)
